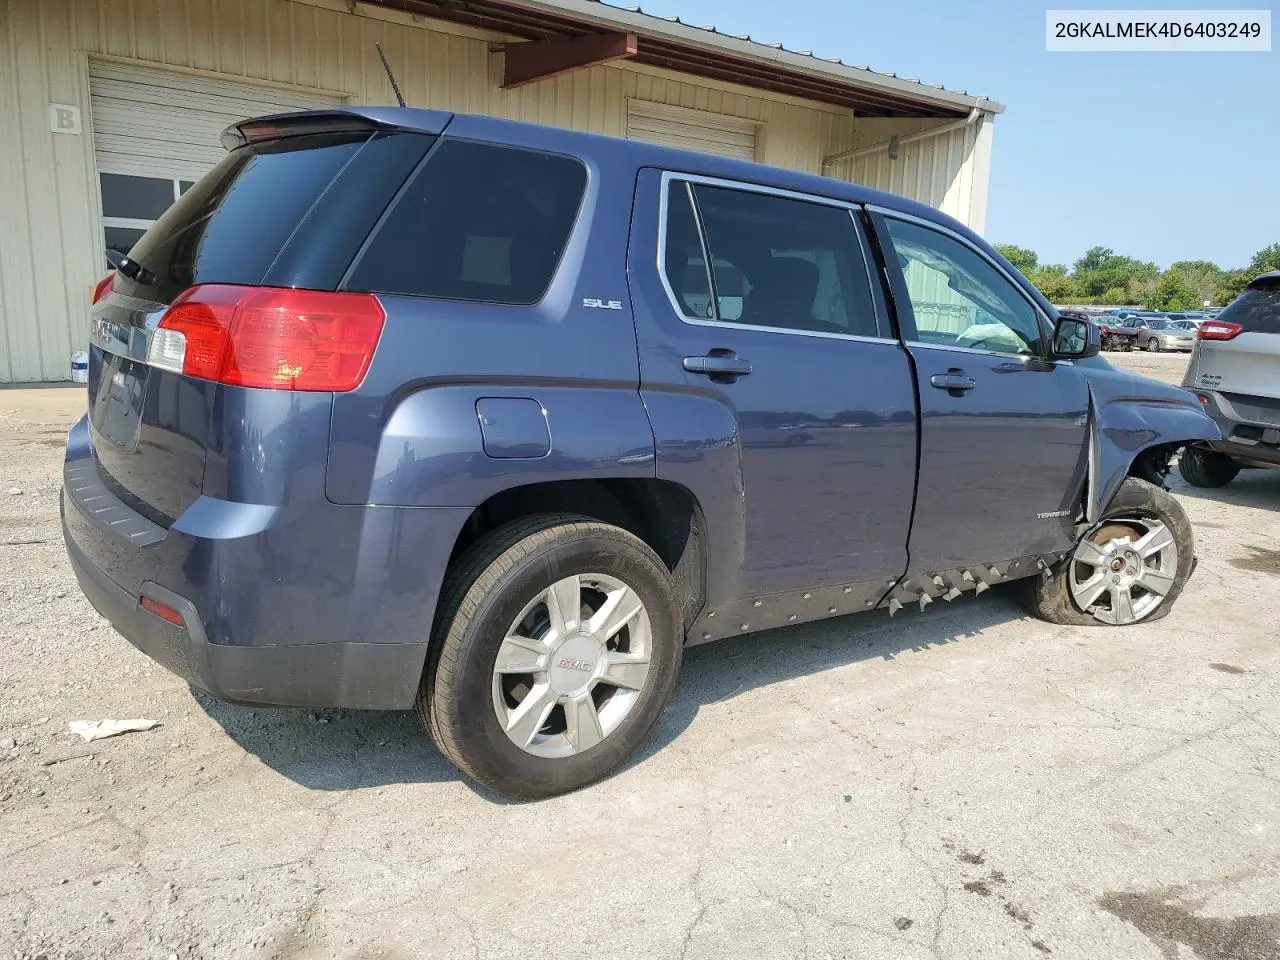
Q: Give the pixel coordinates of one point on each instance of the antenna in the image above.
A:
(390, 76)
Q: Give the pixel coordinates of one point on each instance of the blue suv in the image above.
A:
(397, 408)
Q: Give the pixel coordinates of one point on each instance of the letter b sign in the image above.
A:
(64, 118)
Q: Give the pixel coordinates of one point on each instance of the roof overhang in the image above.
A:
(564, 35)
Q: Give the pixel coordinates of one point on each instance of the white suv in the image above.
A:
(1235, 371)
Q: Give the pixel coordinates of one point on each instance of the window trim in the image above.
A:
(852, 209)
(1042, 321)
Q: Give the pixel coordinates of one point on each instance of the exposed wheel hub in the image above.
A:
(1122, 570)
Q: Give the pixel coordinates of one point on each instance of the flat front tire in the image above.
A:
(1129, 567)
(556, 649)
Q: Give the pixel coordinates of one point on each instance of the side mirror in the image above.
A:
(1076, 339)
(115, 258)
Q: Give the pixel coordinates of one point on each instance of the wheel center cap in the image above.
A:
(573, 664)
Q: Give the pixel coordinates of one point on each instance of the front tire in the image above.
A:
(1153, 345)
(556, 649)
(1129, 567)
(1201, 467)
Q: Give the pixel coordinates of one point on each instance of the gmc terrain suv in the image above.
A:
(1235, 370)
(401, 408)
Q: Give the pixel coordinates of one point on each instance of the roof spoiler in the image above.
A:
(352, 120)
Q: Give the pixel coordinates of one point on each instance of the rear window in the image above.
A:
(1257, 310)
(230, 226)
(478, 222)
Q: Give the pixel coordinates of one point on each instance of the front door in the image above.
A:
(1004, 428)
(760, 317)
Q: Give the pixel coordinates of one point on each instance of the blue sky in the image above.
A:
(1160, 156)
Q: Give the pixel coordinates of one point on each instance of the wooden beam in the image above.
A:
(538, 60)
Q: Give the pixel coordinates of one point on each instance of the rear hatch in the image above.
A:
(289, 208)
(1239, 351)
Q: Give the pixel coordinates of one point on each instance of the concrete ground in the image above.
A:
(960, 783)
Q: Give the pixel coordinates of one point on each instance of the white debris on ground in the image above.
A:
(92, 730)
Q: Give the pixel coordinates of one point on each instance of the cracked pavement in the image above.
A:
(959, 783)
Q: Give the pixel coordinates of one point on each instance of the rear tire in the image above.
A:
(1202, 467)
(1051, 598)
(1153, 345)
(469, 700)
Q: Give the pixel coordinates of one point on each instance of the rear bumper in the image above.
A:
(1244, 439)
(310, 604)
(372, 676)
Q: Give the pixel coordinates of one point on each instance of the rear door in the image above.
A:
(265, 213)
(1003, 435)
(781, 338)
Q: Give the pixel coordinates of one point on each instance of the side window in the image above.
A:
(958, 298)
(478, 222)
(775, 262)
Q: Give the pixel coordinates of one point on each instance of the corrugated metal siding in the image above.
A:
(688, 129)
(49, 251)
(948, 171)
(161, 123)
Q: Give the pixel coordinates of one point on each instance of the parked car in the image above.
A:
(1115, 335)
(1155, 333)
(397, 408)
(1235, 371)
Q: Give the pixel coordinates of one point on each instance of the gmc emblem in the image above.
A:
(568, 663)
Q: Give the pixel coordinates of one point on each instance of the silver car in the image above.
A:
(1157, 333)
(1235, 371)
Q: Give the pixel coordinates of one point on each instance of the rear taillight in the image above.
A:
(103, 287)
(1218, 330)
(272, 338)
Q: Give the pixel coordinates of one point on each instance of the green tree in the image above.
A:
(1102, 269)
(1203, 277)
(1233, 281)
(1116, 297)
(1140, 289)
(1053, 281)
(1024, 260)
(1268, 258)
(1172, 292)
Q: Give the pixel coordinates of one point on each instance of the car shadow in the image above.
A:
(336, 749)
(1257, 487)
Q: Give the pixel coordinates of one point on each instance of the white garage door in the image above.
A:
(155, 131)
(691, 129)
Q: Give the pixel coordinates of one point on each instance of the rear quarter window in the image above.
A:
(478, 222)
(1257, 310)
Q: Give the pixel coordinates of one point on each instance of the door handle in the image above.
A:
(953, 381)
(720, 367)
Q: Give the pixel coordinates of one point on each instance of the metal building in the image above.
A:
(109, 108)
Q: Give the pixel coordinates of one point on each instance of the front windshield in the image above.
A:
(1155, 324)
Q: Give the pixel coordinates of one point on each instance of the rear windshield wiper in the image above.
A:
(130, 268)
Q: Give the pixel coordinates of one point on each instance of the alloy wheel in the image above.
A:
(572, 665)
(1122, 571)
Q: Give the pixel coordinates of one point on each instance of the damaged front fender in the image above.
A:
(1129, 415)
